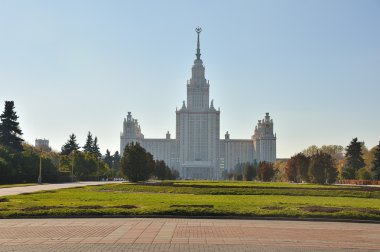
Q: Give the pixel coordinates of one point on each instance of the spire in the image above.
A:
(198, 54)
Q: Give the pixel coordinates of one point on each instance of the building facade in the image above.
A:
(197, 151)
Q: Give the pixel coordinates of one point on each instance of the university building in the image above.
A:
(197, 151)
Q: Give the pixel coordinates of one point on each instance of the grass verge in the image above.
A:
(193, 198)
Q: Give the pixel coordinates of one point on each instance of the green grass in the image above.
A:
(200, 198)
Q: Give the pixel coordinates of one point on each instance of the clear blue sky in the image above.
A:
(79, 66)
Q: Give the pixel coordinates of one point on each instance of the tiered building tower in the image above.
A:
(197, 151)
(197, 129)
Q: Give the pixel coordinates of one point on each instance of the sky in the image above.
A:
(77, 66)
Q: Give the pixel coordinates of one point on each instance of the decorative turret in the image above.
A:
(227, 136)
(264, 140)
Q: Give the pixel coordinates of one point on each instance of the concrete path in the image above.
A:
(35, 188)
(144, 234)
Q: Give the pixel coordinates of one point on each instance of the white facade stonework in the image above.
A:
(197, 151)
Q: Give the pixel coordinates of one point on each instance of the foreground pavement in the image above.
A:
(43, 187)
(145, 234)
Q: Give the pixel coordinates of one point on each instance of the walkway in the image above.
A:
(35, 188)
(144, 234)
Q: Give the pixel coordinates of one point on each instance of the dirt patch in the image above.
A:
(4, 200)
(126, 206)
(321, 209)
(368, 210)
(89, 207)
(36, 208)
(273, 208)
(198, 206)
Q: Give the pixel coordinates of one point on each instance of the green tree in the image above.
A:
(137, 164)
(161, 170)
(70, 146)
(322, 169)
(10, 132)
(376, 164)
(95, 148)
(364, 174)
(7, 169)
(116, 163)
(89, 143)
(265, 171)
(249, 171)
(108, 159)
(354, 159)
(311, 150)
(86, 165)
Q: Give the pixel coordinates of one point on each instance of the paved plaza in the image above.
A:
(154, 234)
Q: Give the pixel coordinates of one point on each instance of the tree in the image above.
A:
(336, 151)
(311, 150)
(322, 169)
(297, 168)
(249, 171)
(95, 148)
(85, 165)
(10, 132)
(162, 171)
(89, 143)
(363, 174)
(376, 164)
(108, 159)
(116, 162)
(265, 171)
(70, 146)
(354, 159)
(291, 170)
(137, 164)
(280, 171)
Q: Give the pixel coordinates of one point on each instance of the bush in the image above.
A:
(363, 174)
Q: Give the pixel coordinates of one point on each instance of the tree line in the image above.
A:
(333, 162)
(21, 162)
(322, 165)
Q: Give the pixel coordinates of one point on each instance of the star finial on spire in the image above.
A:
(198, 54)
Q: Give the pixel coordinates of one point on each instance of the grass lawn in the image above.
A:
(200, 198)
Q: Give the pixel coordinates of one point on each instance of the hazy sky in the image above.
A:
(79, 66)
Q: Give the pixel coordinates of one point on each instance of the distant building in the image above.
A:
(42, 144)
(197, 151)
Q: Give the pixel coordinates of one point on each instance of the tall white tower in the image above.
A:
(197, 127)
